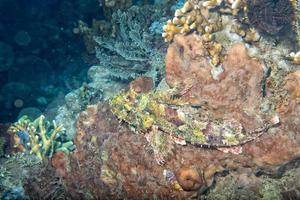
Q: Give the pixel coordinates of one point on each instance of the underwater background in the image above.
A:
(149, 99)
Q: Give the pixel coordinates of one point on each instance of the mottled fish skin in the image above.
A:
(197, 130)
(252, 136)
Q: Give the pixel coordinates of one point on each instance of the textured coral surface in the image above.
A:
(111, 162)
(236, 93)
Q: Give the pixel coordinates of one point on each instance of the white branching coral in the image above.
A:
(39, 137)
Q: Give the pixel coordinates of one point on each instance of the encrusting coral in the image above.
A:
(39, 137)
(124, 167)
(234, 109)
(111, 161)
(207, 18)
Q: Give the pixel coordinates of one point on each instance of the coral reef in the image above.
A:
(77, 100)
(122, 57)
(99, 87)
(223, 124)
(245, 18)
(124, 167)
(98, 27)
(39, 137)
(201, 82)
(109, 7)
(194, 18)
(294, 57)
(16, 192)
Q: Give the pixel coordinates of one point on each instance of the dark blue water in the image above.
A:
(40, 56)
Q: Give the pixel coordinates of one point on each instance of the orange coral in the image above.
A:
(190, 179)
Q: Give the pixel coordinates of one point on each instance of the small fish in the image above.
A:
(24, 138)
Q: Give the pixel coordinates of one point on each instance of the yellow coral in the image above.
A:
(204, 18)
(295, 57)
(192, 17)
(294, 2)
(40, 139)
(212, 3)
(186, 19)
(252, 35)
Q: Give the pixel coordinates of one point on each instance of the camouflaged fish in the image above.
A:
(157, 114)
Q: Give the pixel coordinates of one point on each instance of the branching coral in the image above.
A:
(39, 137)
(209, 17)
(131, 51)
(192, 17)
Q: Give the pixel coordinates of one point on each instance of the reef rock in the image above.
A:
(235, 94)
(113, 162)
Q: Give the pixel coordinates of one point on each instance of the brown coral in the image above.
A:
(236, 93)
(121, 165)
(142, 84)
